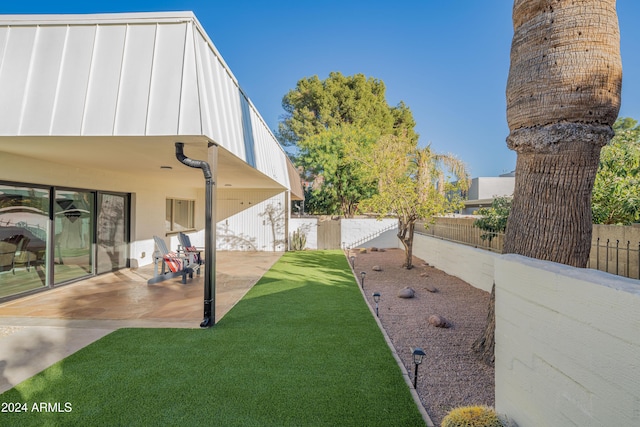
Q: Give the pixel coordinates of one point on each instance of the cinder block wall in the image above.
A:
(567, 345)
(474, 266)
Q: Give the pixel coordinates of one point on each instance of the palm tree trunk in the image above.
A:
(551, 216)
(563, 95)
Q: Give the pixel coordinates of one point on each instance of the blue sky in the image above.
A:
(447, 60)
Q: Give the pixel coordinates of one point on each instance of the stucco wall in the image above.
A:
(368, 232)
(567, 345)
(309, 226)
(354, 232)
(474, 266)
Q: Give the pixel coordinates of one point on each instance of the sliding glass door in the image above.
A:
(24, 230)
(112, 232)
(74, 213)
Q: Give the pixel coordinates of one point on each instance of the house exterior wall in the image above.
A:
(490, 187)
(567, 345)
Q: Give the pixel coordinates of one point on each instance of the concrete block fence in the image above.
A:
(567, 339)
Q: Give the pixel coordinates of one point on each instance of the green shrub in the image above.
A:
(472, 416)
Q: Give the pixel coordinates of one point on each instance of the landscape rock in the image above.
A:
(438, 321)
(431, 289)
(377, 268)
(406, 293)
(374, 249)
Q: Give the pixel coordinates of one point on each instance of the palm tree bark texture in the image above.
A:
(563, 96)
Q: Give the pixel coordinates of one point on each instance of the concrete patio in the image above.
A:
(38, 330)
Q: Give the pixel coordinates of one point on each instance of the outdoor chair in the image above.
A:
(22, 256)
(177, 264)
(7, 252)
(185, 247)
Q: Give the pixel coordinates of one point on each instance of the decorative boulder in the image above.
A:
(377, 268)
(374, 249)
(406, 293)
(363, 250)
(438, 321)
(431, 289)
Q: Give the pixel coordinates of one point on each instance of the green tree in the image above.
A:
(493, 220)
(322, 117)
(413, 183)
(616, 192)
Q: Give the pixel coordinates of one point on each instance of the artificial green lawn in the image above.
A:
(300, 349)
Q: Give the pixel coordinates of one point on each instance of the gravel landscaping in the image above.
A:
(451, 374)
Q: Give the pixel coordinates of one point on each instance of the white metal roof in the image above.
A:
(127, 75)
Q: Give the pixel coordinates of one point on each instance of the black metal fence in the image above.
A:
(615, 256)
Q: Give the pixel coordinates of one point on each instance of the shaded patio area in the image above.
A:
(125, 296)
(40, 329)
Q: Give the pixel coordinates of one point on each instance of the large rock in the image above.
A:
(406, 293)
(377, 268)
(438, 321)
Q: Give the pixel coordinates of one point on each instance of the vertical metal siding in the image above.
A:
(43, 78)
(71, 91)
(13, 76)
(166, 80)
(128, 77)
(135, 82)
(104, 80)
(190, 121)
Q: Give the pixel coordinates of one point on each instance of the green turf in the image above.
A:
(300, 349)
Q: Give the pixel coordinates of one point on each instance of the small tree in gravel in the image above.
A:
(413, 183)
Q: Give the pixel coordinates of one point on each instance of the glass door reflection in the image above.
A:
(74, 234)
(112, 232)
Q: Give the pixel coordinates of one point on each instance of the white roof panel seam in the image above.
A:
(122, 67)
(56, 97)
(182, 81)
(87, 92)
(151, 72)
(28, 81)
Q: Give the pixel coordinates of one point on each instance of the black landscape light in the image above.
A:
(362, 274)
(376, 298)
(418, 354)
(353, 261)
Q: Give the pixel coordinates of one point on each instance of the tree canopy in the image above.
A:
(616, 192)
(412, 183)
(493, 220)
(322, 118)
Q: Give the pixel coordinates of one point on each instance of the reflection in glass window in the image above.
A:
(180, 215)
(73, 215)
(24, 219)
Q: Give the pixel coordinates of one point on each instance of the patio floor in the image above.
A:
(38, 330)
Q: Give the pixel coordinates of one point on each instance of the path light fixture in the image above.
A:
(362, 274)
(353, 261)
(376, 298)
(418, 354)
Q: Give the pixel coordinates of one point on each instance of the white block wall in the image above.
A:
(368, 232)
(309, 226)
(364, 232)
(474, 266)
(567, 345)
